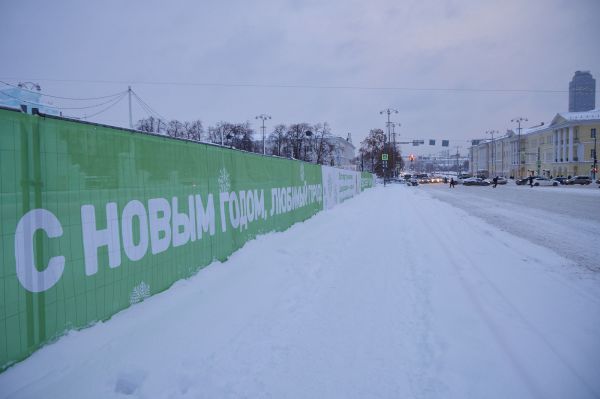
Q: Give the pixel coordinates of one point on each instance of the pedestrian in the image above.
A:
(530, 181)
(495, 181)
(451, 182)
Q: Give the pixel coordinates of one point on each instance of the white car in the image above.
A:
(542, 181)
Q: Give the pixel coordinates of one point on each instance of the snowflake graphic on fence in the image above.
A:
(224, 181)
(139, 293)
(301, 172)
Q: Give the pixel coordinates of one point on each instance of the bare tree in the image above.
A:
(235, 135)
(218, 134)
(373, 146)
(277, 139)
(243, 134)
(322, 144)
(148, 125)
(175, 129)
(193, 130)
(296, 138)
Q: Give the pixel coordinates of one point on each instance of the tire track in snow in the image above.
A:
(554, 231)
(473, 265)
(484, 208)
(456, 258)
(424, 382)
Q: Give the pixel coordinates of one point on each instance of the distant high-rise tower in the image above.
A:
(582, 92)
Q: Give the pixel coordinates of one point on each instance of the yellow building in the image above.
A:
(565, 147)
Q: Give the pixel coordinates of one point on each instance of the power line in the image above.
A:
(147, 107)
(57, 107)
(309, 86)
(115, 102)
(60, 97)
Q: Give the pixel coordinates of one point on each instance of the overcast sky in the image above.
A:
(232, 60)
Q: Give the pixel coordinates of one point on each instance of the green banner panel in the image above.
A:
(94, 218)
(367, 180)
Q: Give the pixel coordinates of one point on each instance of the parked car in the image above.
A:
(525, 180)
(461, 178)
(542, 181)
(561, 180)
(501, 180)
(579, 180)
(475, 181)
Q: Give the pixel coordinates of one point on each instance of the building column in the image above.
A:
(571, 132)
(558, 146)
(555, 138)
(564, 146)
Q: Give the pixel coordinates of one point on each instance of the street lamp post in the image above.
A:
(493, 168)
(388, 111)
(518, 120)
(394, 162)
(263, 117)
(595, 166)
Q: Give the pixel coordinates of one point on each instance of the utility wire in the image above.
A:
(115, 102)
(59, 97)
(57, 107)
(308, 86)
(148, 108)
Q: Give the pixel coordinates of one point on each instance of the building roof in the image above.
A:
(578, 116)
(528, 130)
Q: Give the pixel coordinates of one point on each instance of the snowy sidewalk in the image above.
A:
(392, 294)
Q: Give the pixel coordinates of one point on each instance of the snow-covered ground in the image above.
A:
(393, 294)
(565, 219)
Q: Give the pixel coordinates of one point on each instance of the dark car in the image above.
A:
(579, 180)
(475, 181)
(561, 179)
(525, 180)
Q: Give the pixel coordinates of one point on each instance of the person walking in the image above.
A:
(530, 181)
(451, 182)
(495, 181)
